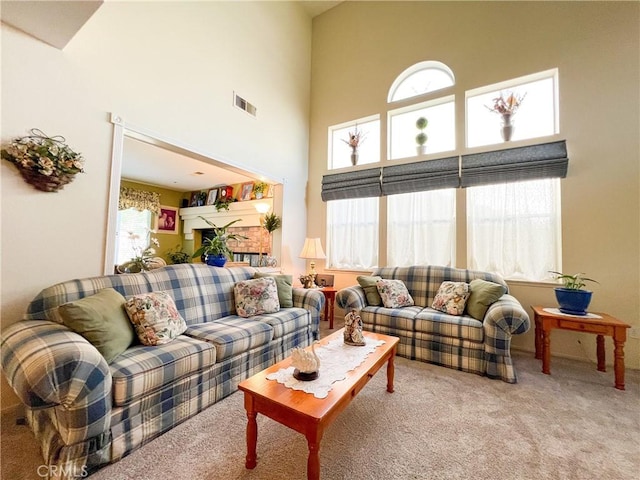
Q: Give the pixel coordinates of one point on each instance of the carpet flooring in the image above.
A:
(439, 424)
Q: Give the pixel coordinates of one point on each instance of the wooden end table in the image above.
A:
(606, 325)
(329, 303)
(303, 412)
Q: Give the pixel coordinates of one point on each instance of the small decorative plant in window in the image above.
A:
(47, 163)
(507, 104)
(356, 138)
(421, 138)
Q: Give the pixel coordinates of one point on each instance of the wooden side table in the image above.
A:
(605, 325)
(329, 304)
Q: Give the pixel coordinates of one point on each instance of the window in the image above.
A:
(369, 149)
(514, 228)
(440, 130)
(421, 78)
(421, 228)
(352, 233)
(536, 117)
(133, 221)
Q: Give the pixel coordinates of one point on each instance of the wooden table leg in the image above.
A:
(313, 462)
(546, 352)
(538, 338)
(252, 432)
(391, 370)
(618, 359)
(600, 353)
(331, 307)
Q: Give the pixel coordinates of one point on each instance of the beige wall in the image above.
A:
(359, 48)
(170, 68)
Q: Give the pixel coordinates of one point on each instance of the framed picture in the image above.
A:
(269, 193)
(167, 221)
(225, 192)
(193, 201)
(211, 198)
(245, 192)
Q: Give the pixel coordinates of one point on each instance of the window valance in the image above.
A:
(546, 160)
(139, 199)
(420, 176)
(358, 184)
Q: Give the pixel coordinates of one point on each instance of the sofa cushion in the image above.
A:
(368, 284)
(451, 297)
(257, 296)
(286, 321)
(284, 285)
(155, 318)
(483, 294)
(232, 335)
(102, 321)
(441, 324)
(394, 293)
(142, 369)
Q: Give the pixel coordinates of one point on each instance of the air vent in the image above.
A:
(242, 104)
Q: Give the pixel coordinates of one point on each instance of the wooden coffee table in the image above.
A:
(302, 411)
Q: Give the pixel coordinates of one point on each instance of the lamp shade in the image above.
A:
(312, 249)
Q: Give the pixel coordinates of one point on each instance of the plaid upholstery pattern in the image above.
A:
(141, 370)
(232, 335)
(86, 413)
(430, 336)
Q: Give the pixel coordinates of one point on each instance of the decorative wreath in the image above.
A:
(47, 163)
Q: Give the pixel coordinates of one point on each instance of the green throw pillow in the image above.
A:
(368, 284)
(483, 294)
(102, 320)
(284, 285)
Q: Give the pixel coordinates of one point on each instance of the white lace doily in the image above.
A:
(557, 311)
(336, 359)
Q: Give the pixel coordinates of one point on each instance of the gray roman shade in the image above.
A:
(546, 160)
(420, 176)
(357, 184)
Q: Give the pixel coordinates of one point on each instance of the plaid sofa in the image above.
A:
(459, 342)
(86, 413)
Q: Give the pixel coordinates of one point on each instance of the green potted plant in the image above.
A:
(259, 189)
(271, 222)
(177, 256)
(572, 298)
(216, 250)
(421, 138)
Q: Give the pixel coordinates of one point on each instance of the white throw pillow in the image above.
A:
(394, 293)
(451, 297)
(256, 296)
(155, 317)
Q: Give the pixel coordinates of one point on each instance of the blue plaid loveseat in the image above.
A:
(428, 335)
(86, 413)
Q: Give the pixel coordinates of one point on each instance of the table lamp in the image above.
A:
(312, 250)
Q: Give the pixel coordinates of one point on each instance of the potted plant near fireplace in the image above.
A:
(572, 298)
(216, 250)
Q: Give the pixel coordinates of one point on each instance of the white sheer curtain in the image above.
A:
(421, 228)
(514, 229)
(352, 233)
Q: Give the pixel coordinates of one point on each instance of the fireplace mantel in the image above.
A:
(246, 211)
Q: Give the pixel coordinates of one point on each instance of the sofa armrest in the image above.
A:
(48, 365)
(312, 300)
(504, 318)
(351, 298)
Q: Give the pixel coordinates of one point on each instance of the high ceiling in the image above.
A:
(56, 22)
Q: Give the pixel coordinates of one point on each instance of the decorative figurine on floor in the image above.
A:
(306, 364)
(353, 329)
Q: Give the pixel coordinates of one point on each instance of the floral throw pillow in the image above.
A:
(451, 297)
(155, 318)
(256, 296)
(394, 293)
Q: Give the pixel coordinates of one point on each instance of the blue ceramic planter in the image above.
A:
(216, 260)
(573, 302)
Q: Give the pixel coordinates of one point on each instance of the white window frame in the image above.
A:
(406, 74)
(352, 124)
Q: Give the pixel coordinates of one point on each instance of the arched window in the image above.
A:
(421, 78)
